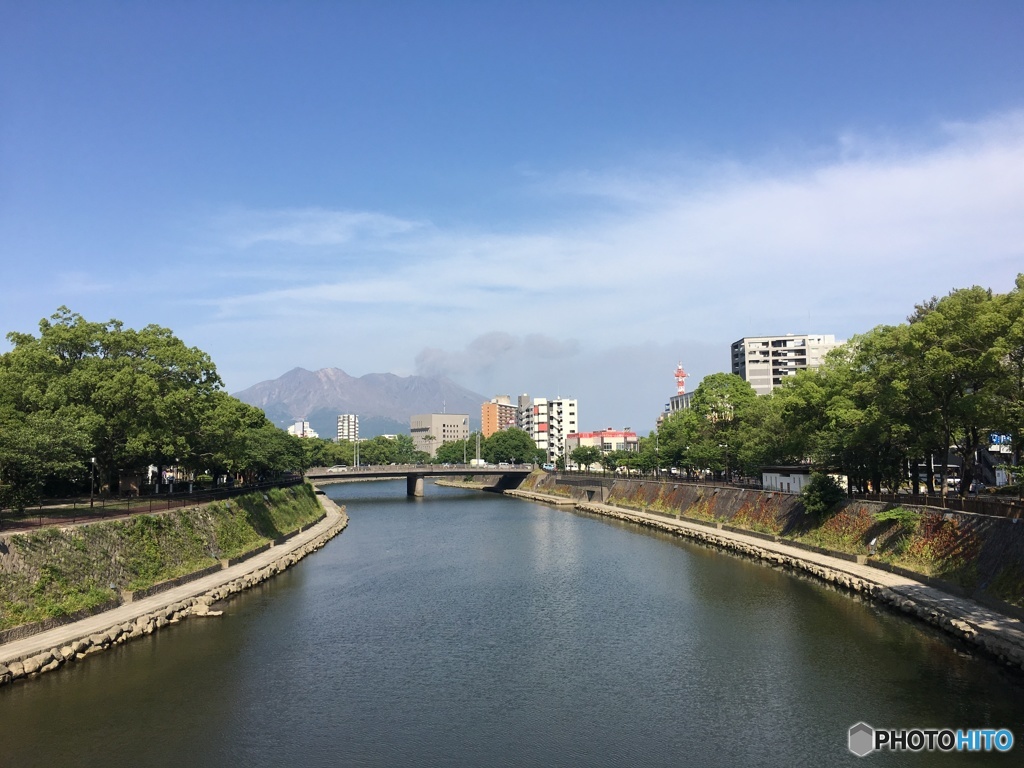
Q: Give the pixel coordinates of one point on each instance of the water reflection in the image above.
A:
(467, 629)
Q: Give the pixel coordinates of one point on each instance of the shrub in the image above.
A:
(899, 515)
(821, 495)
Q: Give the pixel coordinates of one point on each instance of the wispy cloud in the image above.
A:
(831, 245)
(79, 284)
(308, 227)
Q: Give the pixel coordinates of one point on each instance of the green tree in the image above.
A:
(140, 394)
(452, 452)
(268, 450)
(678, 434)
(377, 451)
(1010, 350)
(821, 496)
(955, 352)
(404, 451)
(36, 448)
(510, 445)
(584, 456)
(721, 397)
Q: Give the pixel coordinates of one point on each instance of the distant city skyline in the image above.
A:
(565, 199)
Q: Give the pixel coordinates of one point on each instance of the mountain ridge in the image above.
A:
(383, 401)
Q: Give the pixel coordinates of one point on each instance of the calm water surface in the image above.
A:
(466, 629)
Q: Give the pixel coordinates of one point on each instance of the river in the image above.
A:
(466, 629)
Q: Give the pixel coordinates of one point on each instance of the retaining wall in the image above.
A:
(149, 621)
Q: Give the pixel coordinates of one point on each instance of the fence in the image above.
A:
(83, 510)
(995, 506)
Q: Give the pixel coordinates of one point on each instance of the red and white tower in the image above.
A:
(681, 377)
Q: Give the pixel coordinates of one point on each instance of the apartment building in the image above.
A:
(348, 427)
(548, 422)
(302, 429)
(765, 361)
(497, 414)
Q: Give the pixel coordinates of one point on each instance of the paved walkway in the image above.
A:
(63, 635)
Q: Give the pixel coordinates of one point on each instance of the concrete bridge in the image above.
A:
(508, 475)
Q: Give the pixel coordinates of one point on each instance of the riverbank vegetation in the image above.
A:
(974, 552)
(87, 403)
(55, 572)
(879, 408)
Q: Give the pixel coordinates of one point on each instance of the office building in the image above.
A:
(765, 361)
(430, 430)
(606, 441)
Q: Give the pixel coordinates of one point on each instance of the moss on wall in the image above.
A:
(54, 572)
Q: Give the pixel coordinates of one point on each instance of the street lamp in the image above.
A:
(726, 446)
(92, 479)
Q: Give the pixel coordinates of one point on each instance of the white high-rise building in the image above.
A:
(548, 422)
(302, 429)
(348, 427)
(765, 361)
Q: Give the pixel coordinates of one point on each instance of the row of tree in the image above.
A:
(85, 403)
(85, 397)
(509, 445)
(399, 449)
(512, 445)
(885, 409)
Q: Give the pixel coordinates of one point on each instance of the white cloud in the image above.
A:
(833, 246)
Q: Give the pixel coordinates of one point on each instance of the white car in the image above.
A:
(338, 468)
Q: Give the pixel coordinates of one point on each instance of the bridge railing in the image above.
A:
(398, 469)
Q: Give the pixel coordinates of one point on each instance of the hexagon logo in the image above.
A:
(862, 739)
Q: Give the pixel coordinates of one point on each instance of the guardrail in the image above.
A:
(79, 510)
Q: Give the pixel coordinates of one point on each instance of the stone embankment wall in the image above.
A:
(59, 572)
(975, 556)
(80, 646)
(977, 559)
(1004, 644)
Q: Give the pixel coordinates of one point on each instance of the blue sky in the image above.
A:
(560, 198)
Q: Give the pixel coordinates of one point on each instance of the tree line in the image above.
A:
(89, 402)
(508, 445)
(85, 397)
(885, 409)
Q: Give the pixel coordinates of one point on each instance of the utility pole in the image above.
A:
(92, 479)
